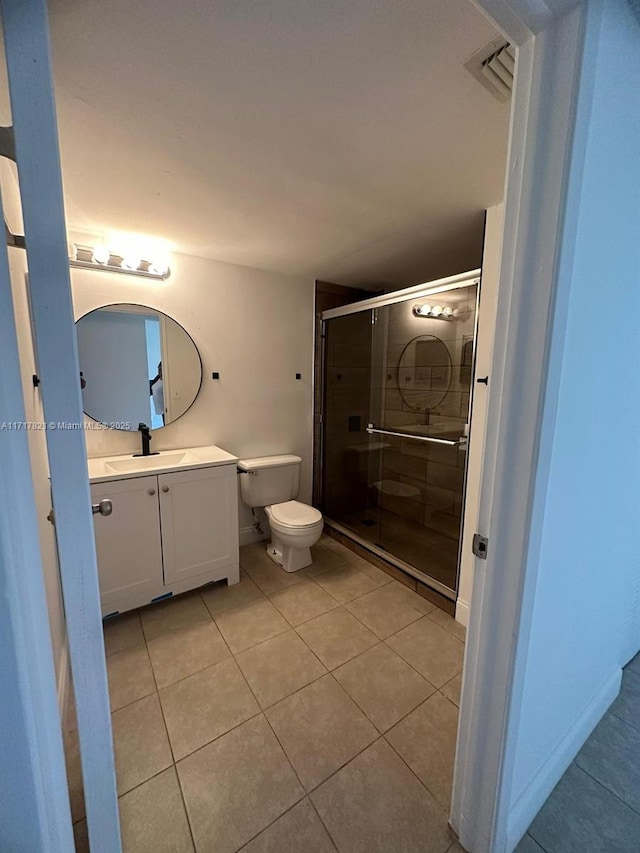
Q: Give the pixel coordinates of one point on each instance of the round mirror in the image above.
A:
(424, 373)
(137, 365)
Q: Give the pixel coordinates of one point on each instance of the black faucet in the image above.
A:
(145, 434)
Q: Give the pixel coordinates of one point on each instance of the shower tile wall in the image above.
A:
(328, 296)
(434, 473)
(347, 397)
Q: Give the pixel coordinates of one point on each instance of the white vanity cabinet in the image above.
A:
(128, 543)
(168, 532)
(199, 519)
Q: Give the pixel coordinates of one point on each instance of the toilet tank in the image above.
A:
(268, 480)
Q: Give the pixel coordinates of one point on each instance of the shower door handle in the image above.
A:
(458, 442)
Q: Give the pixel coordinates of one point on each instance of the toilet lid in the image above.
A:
(295, 514)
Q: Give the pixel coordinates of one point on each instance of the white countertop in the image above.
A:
(105, 468)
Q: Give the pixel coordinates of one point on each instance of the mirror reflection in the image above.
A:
(424, 373)
(137, 365)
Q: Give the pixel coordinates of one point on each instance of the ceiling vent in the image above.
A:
(493, 66)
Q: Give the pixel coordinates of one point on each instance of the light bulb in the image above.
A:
(100, 254)
(130, 262)
(422, 310)
(447, 312)
(159, 266)
(436, 311)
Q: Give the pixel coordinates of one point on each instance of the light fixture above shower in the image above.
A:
(436, 312)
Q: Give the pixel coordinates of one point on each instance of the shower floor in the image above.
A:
(429, 550)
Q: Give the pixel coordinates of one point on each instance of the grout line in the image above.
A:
(293, 692)
(623, 720)
(265, 716)
(182, 758)
(275, 820)
(195, 672)
(537, 843)
(378, 738)
(450, 701)
(400, 719)
(326, 828)
(602, 785)
(268, 722)
(424, 785)
(184, 806)
(171, 751)
(384, 639)
(164, 720)
(315, 654)
(437, 624)
(284, 616)
(255, 645)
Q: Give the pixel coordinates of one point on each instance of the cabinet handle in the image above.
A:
(105, 507)
(165, 488)
(151, 492)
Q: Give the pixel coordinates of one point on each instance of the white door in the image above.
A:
(26, 39)
(199, 514)
(128, 543)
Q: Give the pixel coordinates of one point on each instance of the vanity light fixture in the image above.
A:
(130, 262)
(437, 312)
(100, 254)
(100, 257)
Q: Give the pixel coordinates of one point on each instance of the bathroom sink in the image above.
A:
(145, 463)
(103, 468)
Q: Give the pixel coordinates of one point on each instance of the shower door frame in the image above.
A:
(418, 291)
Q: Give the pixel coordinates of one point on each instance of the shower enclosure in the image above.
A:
(397, 387)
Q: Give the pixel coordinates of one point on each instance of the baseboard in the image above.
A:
(64, 680)
(462, 612)
(249, 535)
(535, 795)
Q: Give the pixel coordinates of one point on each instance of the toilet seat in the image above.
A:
(294, 515)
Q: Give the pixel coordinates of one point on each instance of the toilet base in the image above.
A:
(288, 558)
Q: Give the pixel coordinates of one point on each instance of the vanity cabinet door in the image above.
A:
(128, 543)
(199, 516)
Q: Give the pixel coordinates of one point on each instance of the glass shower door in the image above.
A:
(351, 459)
(397, 386)
(423, 350)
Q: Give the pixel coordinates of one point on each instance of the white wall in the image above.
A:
(253, 327)
(586, 619)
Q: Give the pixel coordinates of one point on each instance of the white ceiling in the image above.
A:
(339, 139)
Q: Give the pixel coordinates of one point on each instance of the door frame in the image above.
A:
(26, 37)
(34, 805)
(548, 36)
(539, 234)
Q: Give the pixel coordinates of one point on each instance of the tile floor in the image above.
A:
(291, 713)
(595, 808)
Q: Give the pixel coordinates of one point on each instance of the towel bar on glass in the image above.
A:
(458, 442)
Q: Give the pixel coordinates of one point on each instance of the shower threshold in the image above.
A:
(407, 568)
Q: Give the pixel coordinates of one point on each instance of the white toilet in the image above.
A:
(272, 482)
